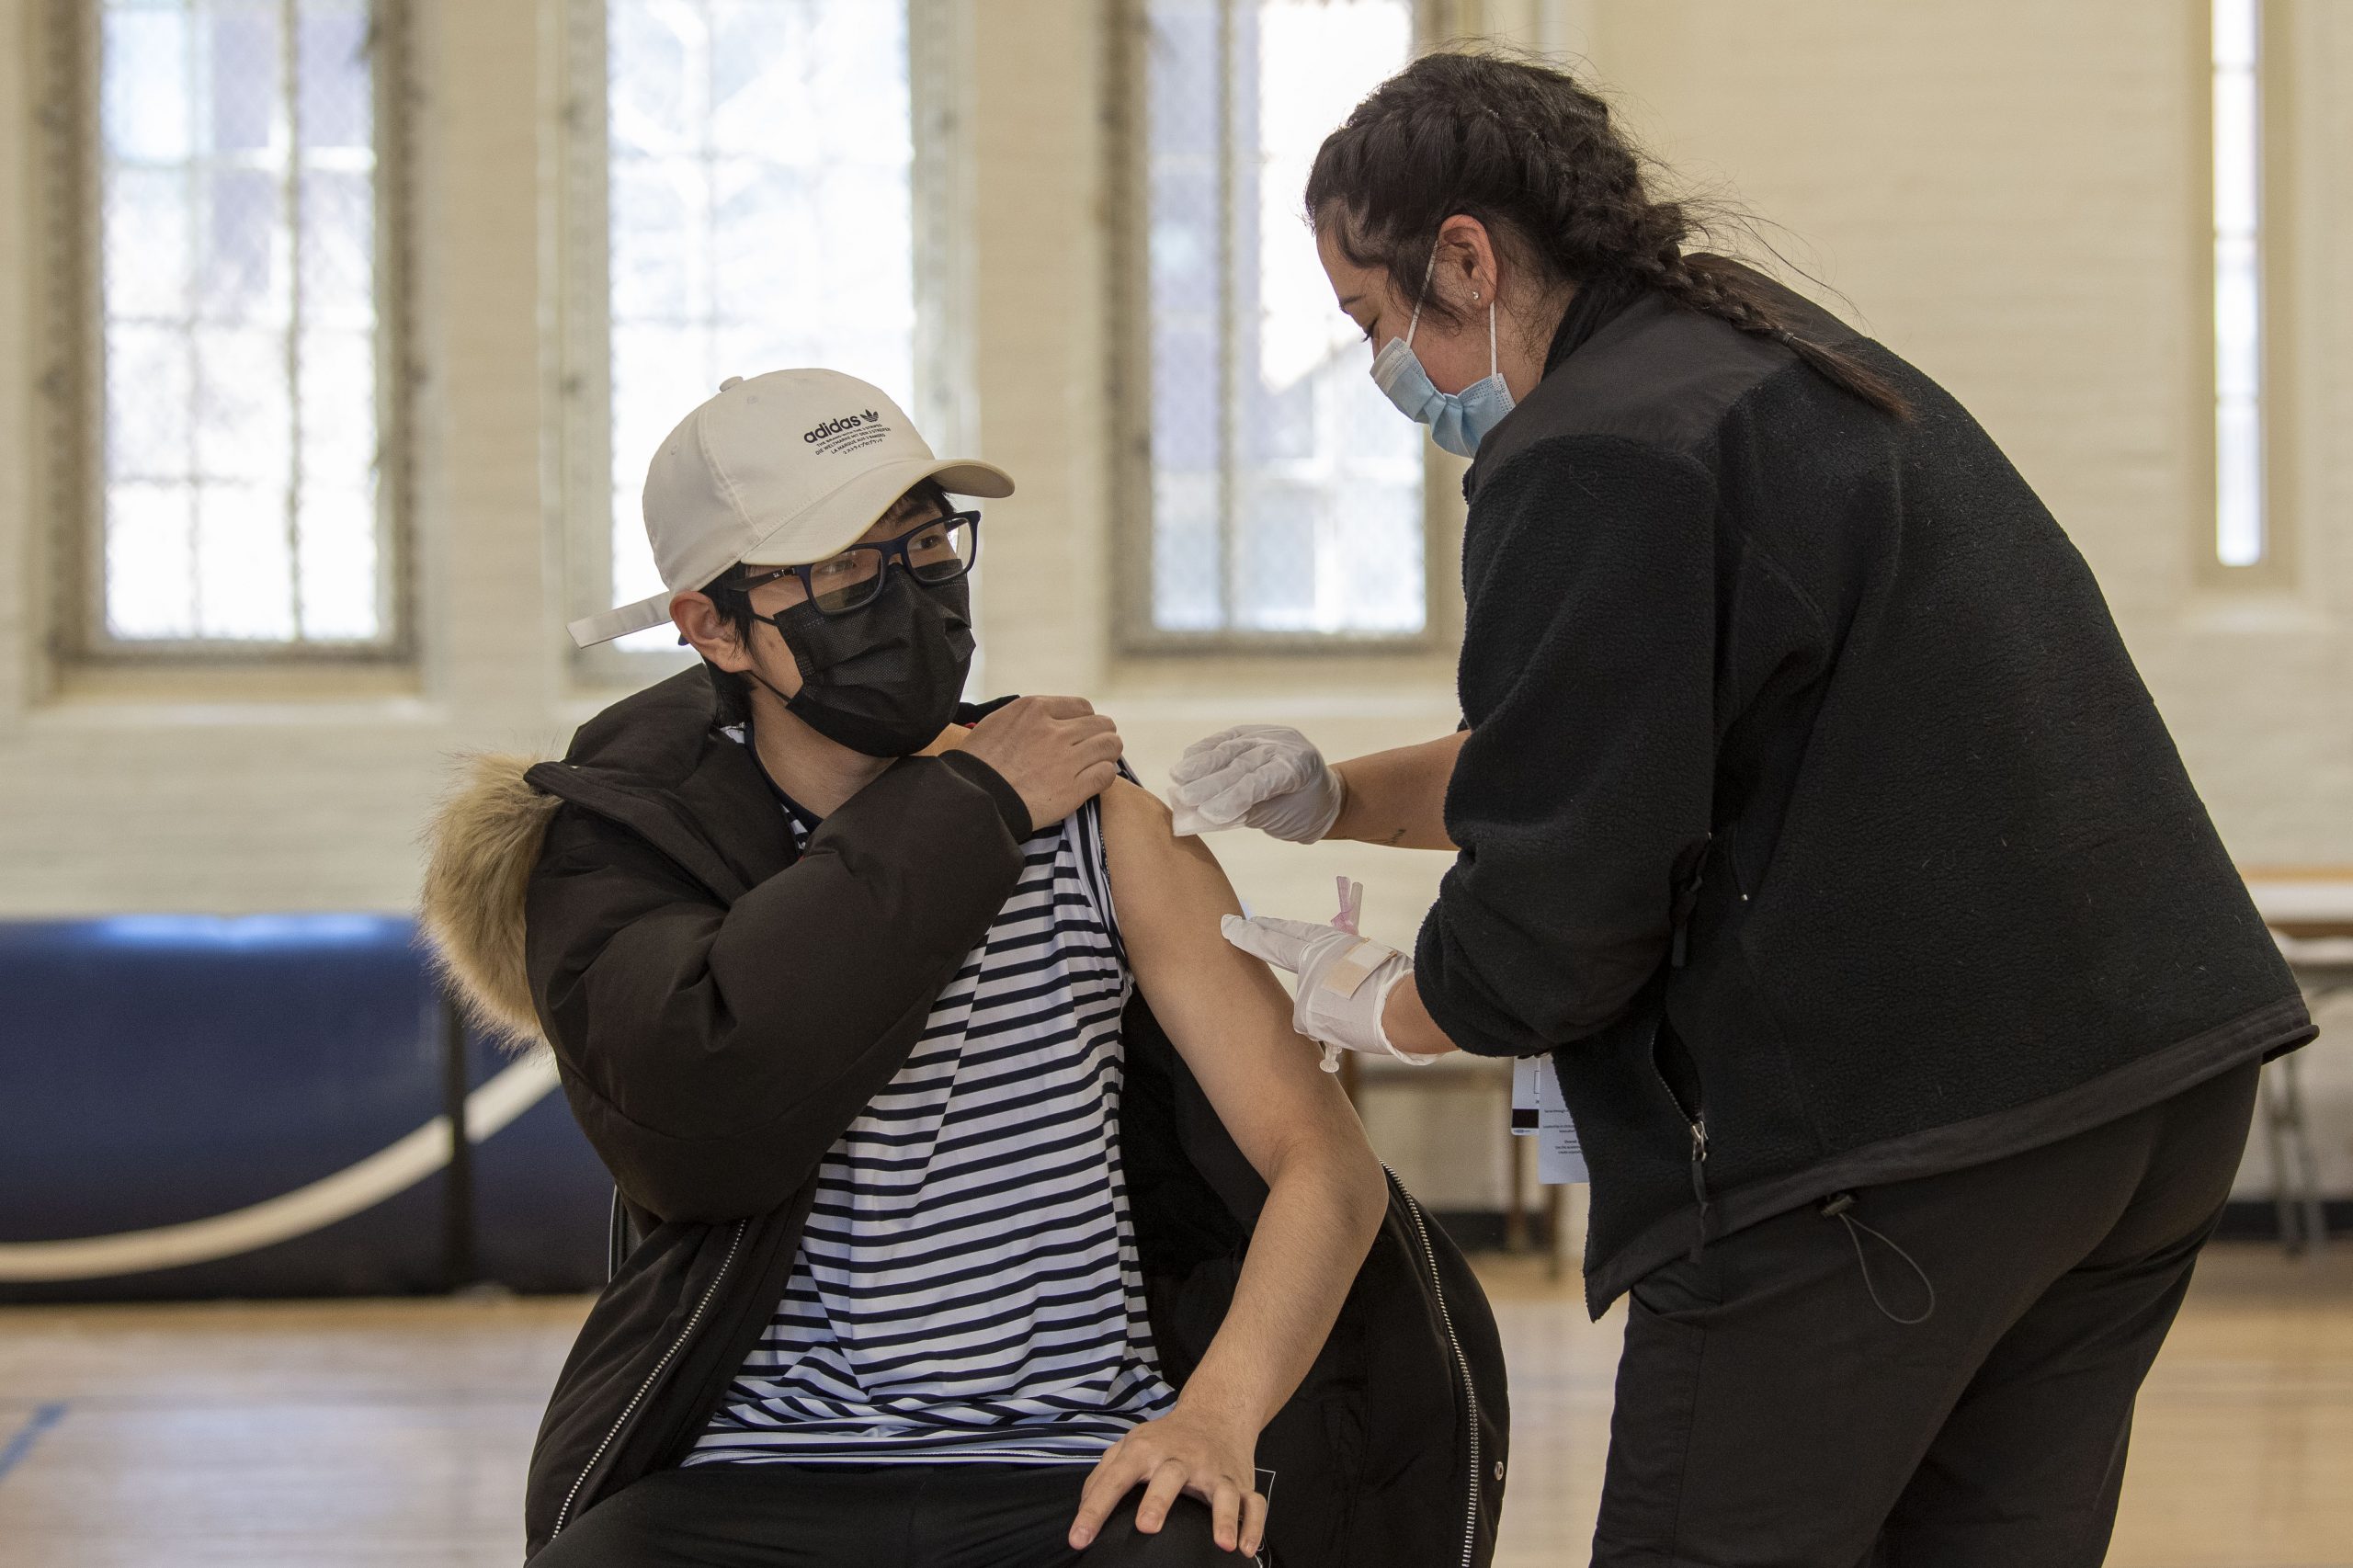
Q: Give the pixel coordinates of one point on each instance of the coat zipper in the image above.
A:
(1687, 899)
(1697, 1120)
(1462, 1362)
(565, 1514)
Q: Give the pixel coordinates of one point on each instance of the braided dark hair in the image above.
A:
(1533, 156)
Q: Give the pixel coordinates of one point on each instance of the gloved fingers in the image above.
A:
(1223, 796)
(1228, 783)
(1198, 763)
(1249, 748)
(1184, 822)
(1231, 765)
(1191, 822)
(1303, 814)
(1239, 798)
(1283, 943)
(1200, 791)
(1209, 754)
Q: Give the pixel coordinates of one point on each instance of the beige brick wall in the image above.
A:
(2009, 192)
(2013, 195)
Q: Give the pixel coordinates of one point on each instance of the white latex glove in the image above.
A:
(1343, 981)
(1260, 775)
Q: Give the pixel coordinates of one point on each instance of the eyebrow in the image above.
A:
(898, 521)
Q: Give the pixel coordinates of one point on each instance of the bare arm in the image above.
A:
(1398, 797)
(1231, 1021)
(1408, 1024)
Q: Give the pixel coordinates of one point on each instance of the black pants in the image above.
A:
(1769, 1413)
(896, 1515)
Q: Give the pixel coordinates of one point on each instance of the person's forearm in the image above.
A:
(1323, 1210)
(1407, 1022)
(1398, 797)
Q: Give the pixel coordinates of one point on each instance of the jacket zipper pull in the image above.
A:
(1699, 1182)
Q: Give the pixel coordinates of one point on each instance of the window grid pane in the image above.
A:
(1286, 494)
(2240, 531)
(237, 280)
(759, 157)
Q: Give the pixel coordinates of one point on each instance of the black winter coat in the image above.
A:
(721, 1010)
(1812, 812)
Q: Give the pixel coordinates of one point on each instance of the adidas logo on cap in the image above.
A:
(846, 422)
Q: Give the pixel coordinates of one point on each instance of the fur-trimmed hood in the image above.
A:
(656, 761)
(483, 844)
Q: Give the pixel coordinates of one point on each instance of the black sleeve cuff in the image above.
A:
(1009, 803)
(1474, 1036)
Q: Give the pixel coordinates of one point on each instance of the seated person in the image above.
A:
(953, 1248)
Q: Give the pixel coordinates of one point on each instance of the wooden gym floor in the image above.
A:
(381, 1433)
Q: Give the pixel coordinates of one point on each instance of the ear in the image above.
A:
(700, 622)
(1467, 272)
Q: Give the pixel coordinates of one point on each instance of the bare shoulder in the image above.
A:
(1131, 809)
(1155, 874)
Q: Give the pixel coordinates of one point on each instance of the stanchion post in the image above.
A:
(458, 1259)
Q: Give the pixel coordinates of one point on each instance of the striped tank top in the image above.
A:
(967, 1287)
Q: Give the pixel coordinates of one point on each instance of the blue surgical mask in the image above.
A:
(1458, 421)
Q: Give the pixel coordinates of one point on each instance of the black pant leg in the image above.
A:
(1763, 1425)
(1187, 1540)
(2027, 1470)
(892, 1516)
(997, 1516)
(1019, 1517)
(746, 1515)
(1770, 1414)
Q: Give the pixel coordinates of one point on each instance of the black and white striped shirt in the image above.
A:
(967, 1288)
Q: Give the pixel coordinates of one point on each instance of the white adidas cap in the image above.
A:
(777, 470)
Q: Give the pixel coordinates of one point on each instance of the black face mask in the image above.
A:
(882, 681)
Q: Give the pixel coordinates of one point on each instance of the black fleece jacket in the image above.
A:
(1813, 811)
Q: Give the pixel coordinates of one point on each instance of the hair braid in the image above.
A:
(1529, 152)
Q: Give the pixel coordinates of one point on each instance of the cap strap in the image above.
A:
(620, 620)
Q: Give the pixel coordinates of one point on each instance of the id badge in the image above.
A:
(1538, 1112)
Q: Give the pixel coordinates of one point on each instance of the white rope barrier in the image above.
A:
(392, 1169)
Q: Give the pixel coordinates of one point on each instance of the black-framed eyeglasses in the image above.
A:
(937, 552)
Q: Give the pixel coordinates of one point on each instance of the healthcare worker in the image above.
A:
(1809, 812)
